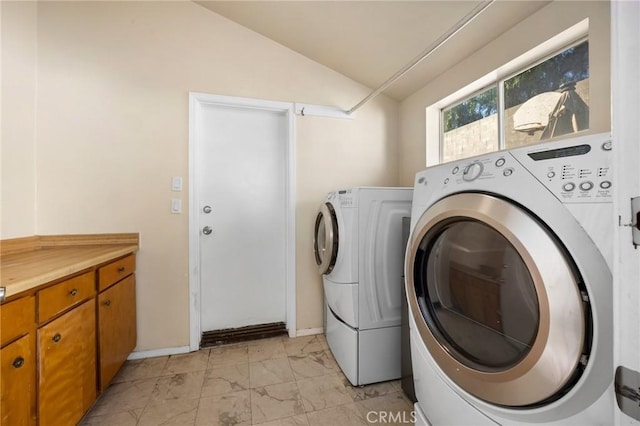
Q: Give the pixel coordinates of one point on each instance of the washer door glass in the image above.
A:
(497, 301)
(325, 238)
(478, 296)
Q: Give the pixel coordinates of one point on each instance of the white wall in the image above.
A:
(537, 28)
(17, 119)
(111, 126)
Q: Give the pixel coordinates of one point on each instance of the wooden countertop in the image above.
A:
(28, 263)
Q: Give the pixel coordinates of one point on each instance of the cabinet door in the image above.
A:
(117, 324)
(67, 361)
(17, 388)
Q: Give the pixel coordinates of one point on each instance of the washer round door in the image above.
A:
(325, 238)
(496, 301)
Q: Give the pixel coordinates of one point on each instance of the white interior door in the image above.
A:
(240, 203)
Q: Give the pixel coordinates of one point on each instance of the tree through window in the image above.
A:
(549, 99)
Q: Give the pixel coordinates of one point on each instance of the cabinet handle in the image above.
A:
(107, 302)
(18, 362)
(56, 338)
(121, 269)
(74, 292)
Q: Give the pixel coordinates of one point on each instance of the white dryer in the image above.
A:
(360, 253)
(508, 280)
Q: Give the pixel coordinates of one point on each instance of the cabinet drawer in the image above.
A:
(115, 271)
(17, 318)
(59, 297)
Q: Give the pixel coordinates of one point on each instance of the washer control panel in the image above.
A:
(346, 197)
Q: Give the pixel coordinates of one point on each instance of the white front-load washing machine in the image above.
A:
(359, 250)
(509, 286)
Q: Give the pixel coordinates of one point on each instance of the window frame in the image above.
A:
(572, 36)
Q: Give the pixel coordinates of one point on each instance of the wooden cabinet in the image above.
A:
(63, 340)
(17, 363)
(116, 320)
(67, 366)
(67, 323)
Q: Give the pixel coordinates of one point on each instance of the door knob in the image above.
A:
(207, 230)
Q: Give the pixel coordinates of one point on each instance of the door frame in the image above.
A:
(625, 130)
(196, 102)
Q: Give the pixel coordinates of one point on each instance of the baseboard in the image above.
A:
(159, 352)
(309, 332)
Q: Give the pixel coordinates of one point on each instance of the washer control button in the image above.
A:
(569, 186)
(586, 185)
(607, 146)
(605, 184)
(455, 170)
(472, 171)
(508, 171)
(551, 175)
(500, 162)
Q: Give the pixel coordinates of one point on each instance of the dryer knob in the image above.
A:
(472, 171)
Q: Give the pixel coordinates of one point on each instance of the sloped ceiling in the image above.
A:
(369, 41)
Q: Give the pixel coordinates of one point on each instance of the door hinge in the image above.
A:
(2, 294)
(635, 221)
(627, 387)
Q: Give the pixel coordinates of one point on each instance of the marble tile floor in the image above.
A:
(278, 381)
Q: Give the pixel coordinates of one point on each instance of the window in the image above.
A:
(543, 101)
(471, 127)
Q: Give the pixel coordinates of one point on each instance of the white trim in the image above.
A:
(321, 111)
(159, 352)
(194, 247)
(625, 128)
(432, 115)
(310, 331)
(290, 273)
(196, 101)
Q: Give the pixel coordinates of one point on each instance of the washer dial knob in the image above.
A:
(472, 171)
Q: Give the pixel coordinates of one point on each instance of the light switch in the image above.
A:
(176, 206)
(176, 183)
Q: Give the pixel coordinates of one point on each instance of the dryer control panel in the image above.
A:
(574, 173)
